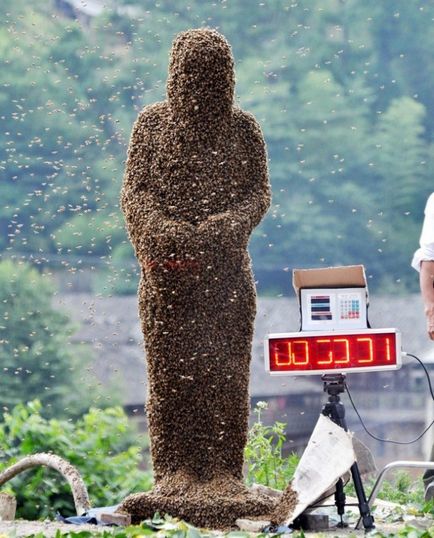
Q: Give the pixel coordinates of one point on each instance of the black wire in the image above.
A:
(379, 438)
(426, 372)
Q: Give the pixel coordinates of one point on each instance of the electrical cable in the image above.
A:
(425, 370)
(379, 438)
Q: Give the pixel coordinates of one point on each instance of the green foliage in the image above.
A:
(101, 444)
(406, 491)
(403, 490)
(37, 358)
(264, 453)
(343, 92)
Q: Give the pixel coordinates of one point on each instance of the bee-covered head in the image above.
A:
(201, 74)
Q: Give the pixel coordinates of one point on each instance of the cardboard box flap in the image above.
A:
(347, 276)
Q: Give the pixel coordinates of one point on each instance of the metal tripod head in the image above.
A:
(334, 384)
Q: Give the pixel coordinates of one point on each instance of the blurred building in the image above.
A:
(394, 405)
(85, 10)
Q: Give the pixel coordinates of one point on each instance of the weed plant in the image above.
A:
(265, 462)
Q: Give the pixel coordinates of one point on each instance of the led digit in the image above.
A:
(346, 358)
(305, 359)
(371, 354)
(329, 360)
(387, 349)
(278, 354)
(289, 353)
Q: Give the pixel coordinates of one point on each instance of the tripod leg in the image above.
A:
(340, 502)
(365, 512)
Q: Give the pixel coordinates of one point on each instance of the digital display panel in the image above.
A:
(317, 352)
(333, 309)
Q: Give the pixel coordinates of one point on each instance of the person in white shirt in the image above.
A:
(423, 261)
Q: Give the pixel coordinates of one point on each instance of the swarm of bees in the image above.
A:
(195, 186)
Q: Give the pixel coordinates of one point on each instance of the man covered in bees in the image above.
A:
(195, 186)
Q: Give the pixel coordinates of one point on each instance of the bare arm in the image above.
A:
(427, 289)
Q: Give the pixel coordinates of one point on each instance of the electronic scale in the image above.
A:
(334, 338)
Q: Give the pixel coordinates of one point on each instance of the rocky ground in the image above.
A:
(390, 519)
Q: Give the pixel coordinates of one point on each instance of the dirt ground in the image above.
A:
(21, 528)
(390, 518)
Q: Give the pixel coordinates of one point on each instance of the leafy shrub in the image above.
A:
(100, 444)
(264, 454)
(406, 491)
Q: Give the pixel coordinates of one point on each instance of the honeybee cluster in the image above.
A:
(195, 186)
(285, 506)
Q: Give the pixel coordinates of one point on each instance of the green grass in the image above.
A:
(403, 490)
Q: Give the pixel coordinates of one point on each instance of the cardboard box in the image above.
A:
(347, 276)
(332, 298)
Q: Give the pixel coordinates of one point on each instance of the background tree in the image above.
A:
(342, 89)
(37, 360)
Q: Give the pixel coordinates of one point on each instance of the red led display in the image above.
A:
(316, 352)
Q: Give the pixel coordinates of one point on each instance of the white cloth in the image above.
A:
(426, 250)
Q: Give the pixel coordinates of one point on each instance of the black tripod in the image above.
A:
(334, 384)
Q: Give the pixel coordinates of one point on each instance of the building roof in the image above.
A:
(91, 8)
(110, 325)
